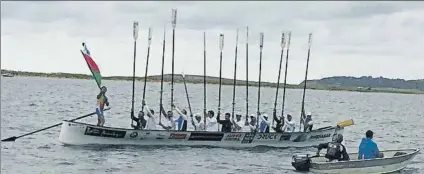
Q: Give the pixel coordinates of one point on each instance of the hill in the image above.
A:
(368, 82)
(339, 83)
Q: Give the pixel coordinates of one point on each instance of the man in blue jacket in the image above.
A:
(368, 149)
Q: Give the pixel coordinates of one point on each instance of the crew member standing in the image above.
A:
(101, 101)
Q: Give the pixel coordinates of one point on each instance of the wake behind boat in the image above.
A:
(396, 160)
(77, 133)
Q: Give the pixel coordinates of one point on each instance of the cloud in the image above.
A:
(349, 38)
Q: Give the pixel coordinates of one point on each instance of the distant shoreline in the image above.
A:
(198, 79)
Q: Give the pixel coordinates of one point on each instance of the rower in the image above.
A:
(280, 122)
(252, 123)
(101, 101)
(264, 124)
(151, 123)
(141, 122)
(181, 121)
(289, 124)
(167, 123)
(198, 124)
(238, 123)
(308, 123)
(211, 123)
(226, 124)
(335, 150)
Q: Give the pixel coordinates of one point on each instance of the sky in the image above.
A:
(349, 38)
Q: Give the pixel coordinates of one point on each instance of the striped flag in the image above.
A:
(92, 65)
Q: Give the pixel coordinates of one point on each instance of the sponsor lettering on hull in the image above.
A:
(248, 138)
(93, 131)
(266, 136)
(206, 136)
(233, 136)
(177, 136)
(320, 136)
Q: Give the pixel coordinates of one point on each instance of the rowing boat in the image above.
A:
(77, 133)
(394, 160)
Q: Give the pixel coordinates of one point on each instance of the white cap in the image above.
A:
(252, 115)
(197, 115)
(309, 113)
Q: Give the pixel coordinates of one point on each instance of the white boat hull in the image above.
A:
(76, 133)
(388, 164)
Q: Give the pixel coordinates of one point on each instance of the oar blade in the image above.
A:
(345, 123)
(9, 139)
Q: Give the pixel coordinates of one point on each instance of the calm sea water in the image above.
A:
(28, 104)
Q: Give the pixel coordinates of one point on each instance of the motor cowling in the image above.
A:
(301, 162)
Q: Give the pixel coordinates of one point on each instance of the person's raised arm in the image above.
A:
(263, 119)
(149, 114)
(180, 113)
(218, 120)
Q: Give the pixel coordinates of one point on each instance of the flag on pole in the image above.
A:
(92, 65)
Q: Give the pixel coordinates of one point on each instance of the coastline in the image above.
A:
(198, 79)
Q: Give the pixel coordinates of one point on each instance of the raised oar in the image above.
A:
(147, 67)
(204, 78)
(174, 23)
(283, 44)
(188, 98)
(221, 46)
(302, 112)
(261, 46)
(135, 36)
(14, 137)
(235, 75)
(285, 74)
(247, 73)
(161, 77)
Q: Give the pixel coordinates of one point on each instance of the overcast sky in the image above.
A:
(349, 38)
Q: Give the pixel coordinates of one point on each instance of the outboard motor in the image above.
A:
(301, 162)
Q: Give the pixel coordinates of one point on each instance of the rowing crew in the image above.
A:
(171, 122)
(180, 123)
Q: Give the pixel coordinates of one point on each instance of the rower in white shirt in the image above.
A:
(252, 124)
(211, 123)
(198, 124)
(289, 124)
(181, 121)
(238, 123)
(151, 122)
(168, 122)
